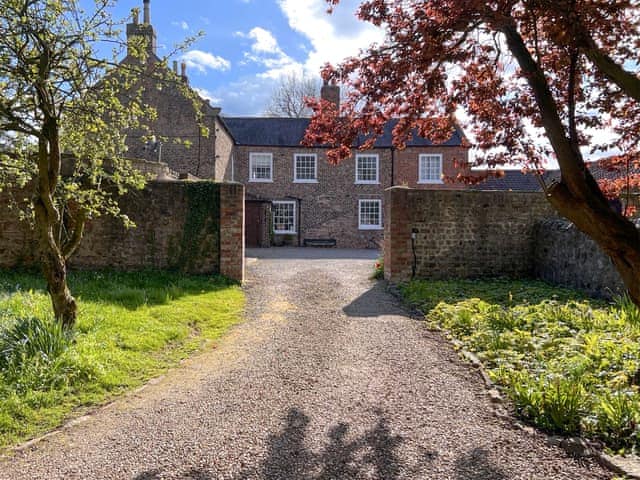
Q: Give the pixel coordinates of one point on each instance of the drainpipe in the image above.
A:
(393, 170)
(299, 222)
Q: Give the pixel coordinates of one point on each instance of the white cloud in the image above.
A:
(332, 37)
(202, 61)
(266, 51)
(182, 24)
(207, 95)
(264, 42)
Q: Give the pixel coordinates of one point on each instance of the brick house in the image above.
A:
(294, 196)
(311, 199)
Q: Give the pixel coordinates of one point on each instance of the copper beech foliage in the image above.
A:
(528, 80)
(449, 56)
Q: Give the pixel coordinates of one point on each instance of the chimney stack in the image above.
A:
(331, 93)
(183, 74)
(147, 13)
(143, 30)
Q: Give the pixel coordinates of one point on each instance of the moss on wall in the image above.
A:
(201, 231)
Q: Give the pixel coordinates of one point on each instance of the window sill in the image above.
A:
(367, 183)
(284, 232)
(305, 181)
(430, 182)
(260, 181)
(370, 227)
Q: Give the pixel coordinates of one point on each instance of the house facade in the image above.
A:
(294, 196)
(313, 201)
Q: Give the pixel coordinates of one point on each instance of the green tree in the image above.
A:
(64, 114)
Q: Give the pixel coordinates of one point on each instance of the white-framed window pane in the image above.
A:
(367, 168)
(260, 167)
(430, 167)
(370, 214)
(305, 168)
(284, 217)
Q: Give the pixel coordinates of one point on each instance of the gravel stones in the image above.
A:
(328, 378)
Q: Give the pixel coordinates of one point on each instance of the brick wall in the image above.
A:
(224, 153)
(165, 236)
(328, 208)
(461, 234)
(406, 166)
(566, 256)
(186, 147)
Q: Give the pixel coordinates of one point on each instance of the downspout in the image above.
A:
(393, 165)
(299, 222)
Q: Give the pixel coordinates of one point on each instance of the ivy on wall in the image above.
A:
(201, 231)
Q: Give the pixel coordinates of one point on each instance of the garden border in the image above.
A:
(577, 447)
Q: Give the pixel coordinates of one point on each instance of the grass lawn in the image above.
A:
(569, 364)
(131, 327)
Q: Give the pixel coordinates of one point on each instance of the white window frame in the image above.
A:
(369, 226)
(253, 157)
(423, 158)
(295, 168)
(295, 218)
(368, 155)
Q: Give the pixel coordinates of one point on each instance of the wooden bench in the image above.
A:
(319, 242)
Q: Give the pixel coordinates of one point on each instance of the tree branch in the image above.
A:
(627, 81)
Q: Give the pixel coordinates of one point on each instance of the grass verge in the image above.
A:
(131, 327)
(570, 365)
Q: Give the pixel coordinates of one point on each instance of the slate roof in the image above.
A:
(515, 180)
(289, 132)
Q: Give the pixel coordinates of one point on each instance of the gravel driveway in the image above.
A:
(327, 379)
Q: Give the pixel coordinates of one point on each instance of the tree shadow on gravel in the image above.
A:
(374, 303)
(476, 466)
(374, 452)
(194, 474)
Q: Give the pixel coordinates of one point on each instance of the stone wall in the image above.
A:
(566, 256)
(196, 227)
(406, 166)
(460, 234)
(187, 145)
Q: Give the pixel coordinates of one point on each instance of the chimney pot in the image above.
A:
(330, 92)
(147, 13)
(183, 68)
(135, 13)
(175, 67)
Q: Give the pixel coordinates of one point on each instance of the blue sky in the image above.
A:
(249, 44)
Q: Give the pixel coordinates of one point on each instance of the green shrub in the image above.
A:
(628, 310)
(378, 269)
(617, 418)
(32, 341)
(570, 365)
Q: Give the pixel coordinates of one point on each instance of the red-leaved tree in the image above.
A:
(537, 79)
